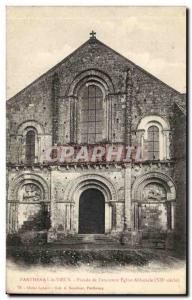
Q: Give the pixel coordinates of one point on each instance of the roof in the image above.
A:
(93, 40)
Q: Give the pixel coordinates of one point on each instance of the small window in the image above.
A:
(153, 143)
(30, 146)
(155, 137)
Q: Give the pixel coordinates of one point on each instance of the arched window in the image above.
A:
(31, 137)
(153, 135)
(153, 142)
(30, 146)
(91, 114)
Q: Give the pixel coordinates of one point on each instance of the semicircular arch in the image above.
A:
(153, 177)
(29, 178)
(85, 181)
(91, 75)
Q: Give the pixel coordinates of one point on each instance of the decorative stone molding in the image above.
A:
(86, 78)
(22, 131)
(91, 181)
(30, 123)
(28, 178)
(155, 177)
(85, 181)
(88, 75)
(127, 187)
(164, 128)
(147, 120)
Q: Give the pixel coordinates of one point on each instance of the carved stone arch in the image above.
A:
(27, 178)
(104, 83)
(98, 181)
(89, 81)
(22, 130)
(163, 134)
(89, 181)
(150, 119)
(156, 177)
(91, 74)
(30, 124)
(95, 185)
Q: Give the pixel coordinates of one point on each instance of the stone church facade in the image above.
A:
(97, 97)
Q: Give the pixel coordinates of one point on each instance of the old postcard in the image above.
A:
(96, 150)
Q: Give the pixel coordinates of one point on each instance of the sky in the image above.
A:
(37, 38)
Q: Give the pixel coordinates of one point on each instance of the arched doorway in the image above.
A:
(92, 212)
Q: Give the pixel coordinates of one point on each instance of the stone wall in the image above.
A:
(50, 105)
(180, 175)
(36, 102)
(62, 186)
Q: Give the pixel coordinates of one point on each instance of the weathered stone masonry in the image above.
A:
(143, 199)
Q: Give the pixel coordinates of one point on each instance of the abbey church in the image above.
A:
(99, 101)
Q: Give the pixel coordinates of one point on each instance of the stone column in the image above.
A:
(169, 242)
(77, 121)
(108, 217)
(172, 215)
(68, 215)
(52, 234)
(55, 107)
(53, 207)
(128, 108)
(127, 183)
(109, 103)
(129, 236)
(72, 119)
(113, 227)
(12, 217)
(72, 229)
(21, 149)
(136, 212)
(141, 142)
(38, 153)
(105, 119)
(166, 144)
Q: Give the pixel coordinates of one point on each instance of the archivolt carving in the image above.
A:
(87, 75)
(153, 177)
(30, 123)
(153, 119)
(25, 179)
(91, 180)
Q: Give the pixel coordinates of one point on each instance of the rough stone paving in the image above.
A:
(95, 96)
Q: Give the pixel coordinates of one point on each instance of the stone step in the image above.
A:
(86, 239)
